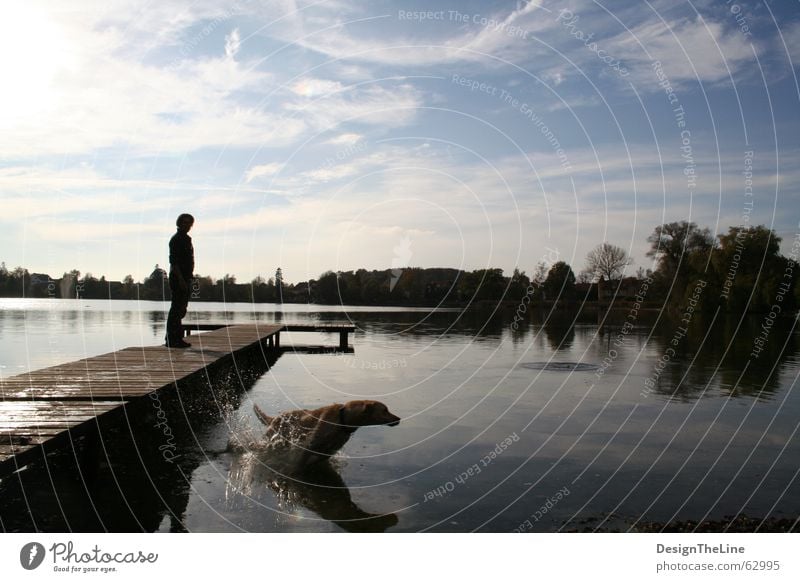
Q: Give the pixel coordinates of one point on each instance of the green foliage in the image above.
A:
(743, 272)
(749, 270)
(682, 250)
(560, 282)
(518, 286)
(482, 285)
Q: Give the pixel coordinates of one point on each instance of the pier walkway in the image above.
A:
(48, 407)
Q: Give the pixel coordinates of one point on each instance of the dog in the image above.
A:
(316, 435)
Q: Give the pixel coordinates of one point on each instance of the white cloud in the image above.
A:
(310, 87)
(532, 37)
(104, 99)
(377, 105)
(232, 43)
(146, 92)
(345, 139)
(103, 91)
(502, 37)
(327, 174)
(262, 170)
(459, 213)
(698, 49)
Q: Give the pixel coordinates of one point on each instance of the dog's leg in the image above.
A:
(261, 415)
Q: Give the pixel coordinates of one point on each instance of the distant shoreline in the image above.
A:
(738, 524)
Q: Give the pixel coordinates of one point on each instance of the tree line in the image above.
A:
(742, 269)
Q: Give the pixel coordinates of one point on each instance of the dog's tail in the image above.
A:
(261, 415)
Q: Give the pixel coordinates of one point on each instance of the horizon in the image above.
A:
(546, 260)
(316, 136)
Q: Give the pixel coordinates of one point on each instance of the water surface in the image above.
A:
(501, 429)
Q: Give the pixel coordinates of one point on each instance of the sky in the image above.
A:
(337, 135)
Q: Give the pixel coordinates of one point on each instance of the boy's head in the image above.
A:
(185, 222)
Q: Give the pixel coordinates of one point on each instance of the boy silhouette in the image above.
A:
(181, 269)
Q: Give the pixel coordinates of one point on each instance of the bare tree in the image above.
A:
(585, 276)
(539, 274)
(607, 261)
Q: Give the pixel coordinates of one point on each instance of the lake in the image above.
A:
(553, 426)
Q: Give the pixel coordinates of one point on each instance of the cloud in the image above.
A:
(232, 44)
(106, 100)
(345, 139)
(30, 192)
(101, 90)
(374, 104)
(263, 170)
(459, 212)
(689, 49)
(494, 34)
(310, 87)
(343, 94)
(531, 37)
(337, 172)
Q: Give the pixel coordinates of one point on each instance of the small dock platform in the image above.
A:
(48, 407)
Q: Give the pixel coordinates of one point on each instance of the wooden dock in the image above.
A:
(48, 407)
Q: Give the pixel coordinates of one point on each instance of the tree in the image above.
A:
(279, 285)
(482, 285)
(607, 261)
(327, 289)
(560, 282)
(681, 250)
(749, 268)
(518, 285)
(672, 243)
(540, 274)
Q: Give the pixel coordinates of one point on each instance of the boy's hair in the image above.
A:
(183, 217)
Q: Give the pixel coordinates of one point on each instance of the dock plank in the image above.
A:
(39, 406)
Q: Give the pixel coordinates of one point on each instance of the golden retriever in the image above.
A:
(320, 433)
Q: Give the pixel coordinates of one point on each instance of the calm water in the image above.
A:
(653, 427)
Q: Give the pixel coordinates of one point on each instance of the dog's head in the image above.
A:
(367, 413)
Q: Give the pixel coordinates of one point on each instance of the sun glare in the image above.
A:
(31, 49)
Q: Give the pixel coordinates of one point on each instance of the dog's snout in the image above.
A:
(393, 420)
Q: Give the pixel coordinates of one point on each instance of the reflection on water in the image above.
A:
(319, 489)
(560, 333)
(645, 424)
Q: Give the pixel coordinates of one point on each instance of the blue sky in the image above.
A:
(338, 134)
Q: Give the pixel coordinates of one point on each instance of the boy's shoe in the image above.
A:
(178, 344)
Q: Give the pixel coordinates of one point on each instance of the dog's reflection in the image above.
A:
(319, 488)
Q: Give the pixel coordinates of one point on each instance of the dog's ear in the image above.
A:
(353, 412)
